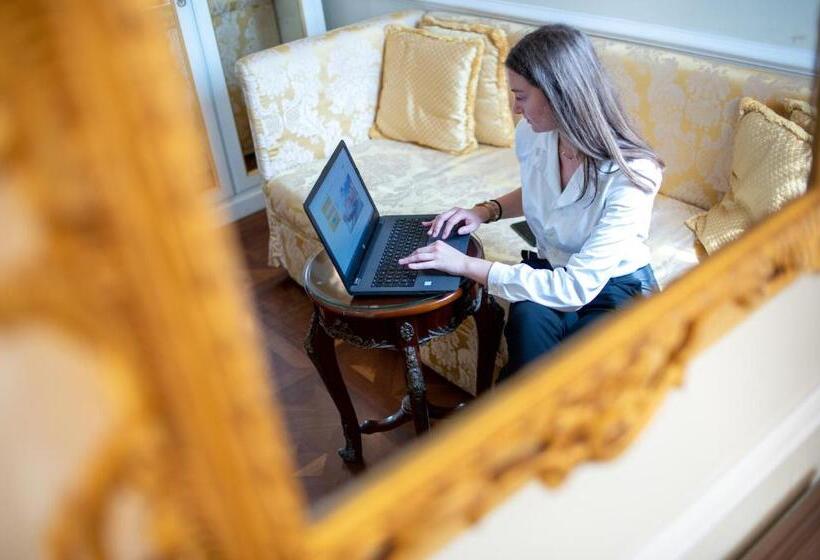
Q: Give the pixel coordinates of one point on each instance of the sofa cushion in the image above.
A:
(801, 112)
(512, 29)
(429, 84)
(493, 115)
(770, 166)
(407, 179)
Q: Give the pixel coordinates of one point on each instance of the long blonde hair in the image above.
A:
(561, 62)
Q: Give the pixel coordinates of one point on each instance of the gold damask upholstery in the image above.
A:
(685, 105)
(242, 27)
(686, 108)
(304, 96)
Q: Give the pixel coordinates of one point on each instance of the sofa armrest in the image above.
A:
(304, 96)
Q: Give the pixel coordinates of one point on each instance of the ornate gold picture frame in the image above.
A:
(123, 254)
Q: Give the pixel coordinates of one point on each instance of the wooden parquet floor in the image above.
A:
(374, 377)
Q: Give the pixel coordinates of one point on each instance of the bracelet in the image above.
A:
(493, 209)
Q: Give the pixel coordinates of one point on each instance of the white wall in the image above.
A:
(792, 23)
(344, 12)
(720, 455)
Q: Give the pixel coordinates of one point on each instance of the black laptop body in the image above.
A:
(364, 246)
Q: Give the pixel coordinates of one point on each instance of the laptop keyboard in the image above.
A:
(407, 236)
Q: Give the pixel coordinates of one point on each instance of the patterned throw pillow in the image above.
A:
(770, 166)
(801, 113)
(493, 116)
(428, 91)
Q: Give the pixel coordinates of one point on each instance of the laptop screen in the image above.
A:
(341, 210)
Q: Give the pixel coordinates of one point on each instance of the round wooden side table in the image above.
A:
(398, 323)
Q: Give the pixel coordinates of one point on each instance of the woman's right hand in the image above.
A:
(445, 222)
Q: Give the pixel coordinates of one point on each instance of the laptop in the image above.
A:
(364, 246)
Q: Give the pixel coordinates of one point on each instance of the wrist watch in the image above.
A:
(493, 208)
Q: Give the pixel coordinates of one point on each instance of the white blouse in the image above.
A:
(591, 239)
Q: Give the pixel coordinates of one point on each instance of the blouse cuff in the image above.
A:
(499, 274)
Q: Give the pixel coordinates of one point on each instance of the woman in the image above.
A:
(588, 184)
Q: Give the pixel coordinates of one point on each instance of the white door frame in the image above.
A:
(313, 16)
(199, 72)
(247, 197)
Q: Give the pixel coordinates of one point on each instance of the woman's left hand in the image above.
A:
(439, 256)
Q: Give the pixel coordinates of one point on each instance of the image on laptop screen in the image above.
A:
(342, 210)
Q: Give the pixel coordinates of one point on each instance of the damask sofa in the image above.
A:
(304, 96)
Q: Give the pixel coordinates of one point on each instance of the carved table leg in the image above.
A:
(402, 415)
(416, 389)
(322, 352)
(489, 321)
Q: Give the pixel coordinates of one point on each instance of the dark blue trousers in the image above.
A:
(533, 329)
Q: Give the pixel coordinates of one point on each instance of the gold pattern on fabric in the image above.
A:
(770, 166)
(429, 85)
(686, 107)
(493, 115)
(304, 96)
(242, 28)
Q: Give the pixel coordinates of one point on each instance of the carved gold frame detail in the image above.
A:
(92, 134)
